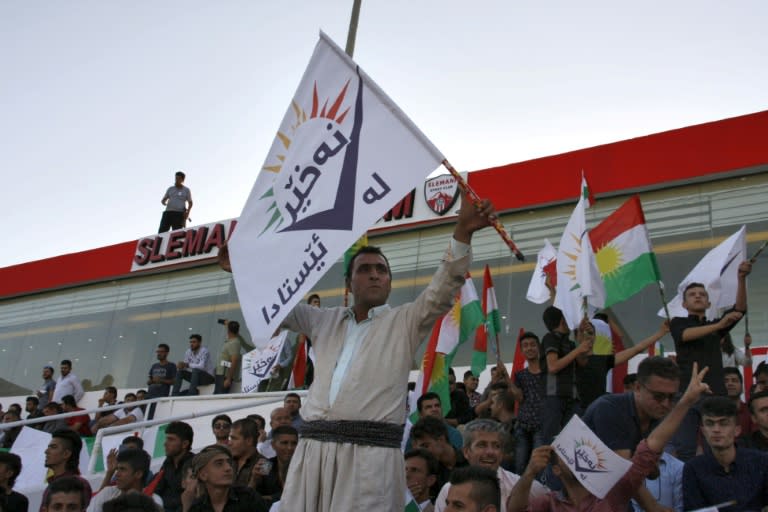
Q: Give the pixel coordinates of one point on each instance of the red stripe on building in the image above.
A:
(69, 269)
(695, 153)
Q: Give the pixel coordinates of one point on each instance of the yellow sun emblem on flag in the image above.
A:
(455, 312)
(571, 272)
(608, 258)
(596, 460)
(301, 116)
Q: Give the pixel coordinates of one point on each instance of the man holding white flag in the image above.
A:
(697, 339)
(349, 455)
(344, 154)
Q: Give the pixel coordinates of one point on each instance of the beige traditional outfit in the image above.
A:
(326, 476)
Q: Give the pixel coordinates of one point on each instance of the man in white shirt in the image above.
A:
(484, 440)
(123, 416)
(68, 383)
(130, 474)
(197, 367)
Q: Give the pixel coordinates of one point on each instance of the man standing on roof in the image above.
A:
(178, 203)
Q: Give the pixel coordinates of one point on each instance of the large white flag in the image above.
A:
(538, 293)
(718, 271)
(577, 273)
(344, 154)
(594, 465)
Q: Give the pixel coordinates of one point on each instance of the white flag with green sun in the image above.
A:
(343, 155)
(578, 280)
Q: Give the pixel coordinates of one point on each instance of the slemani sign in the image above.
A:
(182, 246)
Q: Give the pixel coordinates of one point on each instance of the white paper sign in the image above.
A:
(258, 363)
(596, 466)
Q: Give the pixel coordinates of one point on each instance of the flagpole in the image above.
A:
(498, 350)
(354, 18)
(352, 32)
(663, 300)
(476, 200)
(752, 260)
(754, 256)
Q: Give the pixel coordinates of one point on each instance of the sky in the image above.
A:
(102, 102)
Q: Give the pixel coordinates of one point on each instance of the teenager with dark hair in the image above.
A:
(758, 406)
(10, 467)
(68, 493)
(725, 472)
(178, 443)
(130, 475)
(473, 489)
(62, 458)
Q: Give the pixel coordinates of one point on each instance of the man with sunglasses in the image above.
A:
(221, 426)
(622, 420)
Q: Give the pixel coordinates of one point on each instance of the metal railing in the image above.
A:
(253, 400)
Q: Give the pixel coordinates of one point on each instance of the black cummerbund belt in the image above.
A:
(367, 433)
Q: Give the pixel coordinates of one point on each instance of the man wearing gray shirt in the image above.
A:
(45, 393)
(176, 210)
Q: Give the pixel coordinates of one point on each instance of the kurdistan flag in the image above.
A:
(623, 252)
(489, 329)
(450, 331)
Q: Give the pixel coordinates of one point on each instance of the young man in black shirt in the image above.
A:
(698, 340)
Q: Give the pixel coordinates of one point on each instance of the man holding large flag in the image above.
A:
(343, 155)
(349, 455)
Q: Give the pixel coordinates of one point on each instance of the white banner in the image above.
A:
(596, 466)
(344, 154)
(258, 363)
